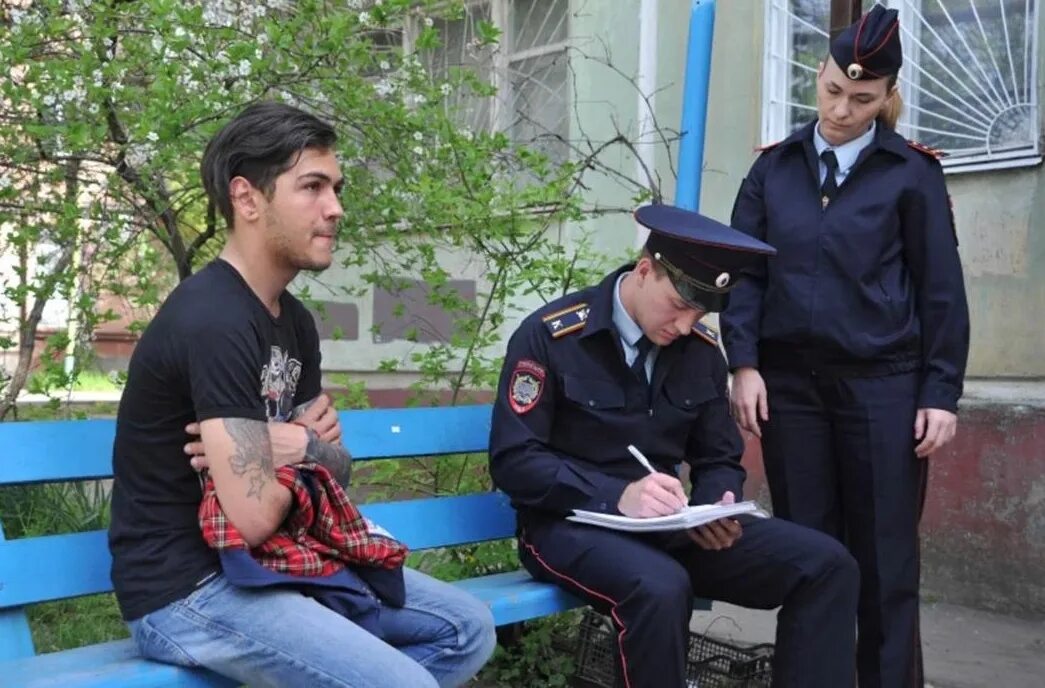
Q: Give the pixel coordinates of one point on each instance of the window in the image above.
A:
(968, 81)
(529, 66)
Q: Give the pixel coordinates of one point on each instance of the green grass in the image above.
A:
(96, 381)
(66, 624)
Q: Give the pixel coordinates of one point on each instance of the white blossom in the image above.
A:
(138, 155)
(429, 22)
(446, 89)
(383, 64)
(243, 68)
(418, 150)
(364, 18)
(383, 87)
(49, 100)
(418, 136)
(420, 99)
(5, 182)
(152, 136)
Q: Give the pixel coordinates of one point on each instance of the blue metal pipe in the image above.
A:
(695, 103)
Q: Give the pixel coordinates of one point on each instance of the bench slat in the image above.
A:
(102, 666)
(58, 566)
(42, 451)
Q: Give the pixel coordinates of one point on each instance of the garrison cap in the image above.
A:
(703, 257)
(870, 48)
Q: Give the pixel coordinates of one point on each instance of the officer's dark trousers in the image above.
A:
(646, 584)
(839, 457)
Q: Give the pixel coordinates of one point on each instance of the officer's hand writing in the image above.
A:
(749, 400)
(720, 534)
(658, 494)
(934, 428)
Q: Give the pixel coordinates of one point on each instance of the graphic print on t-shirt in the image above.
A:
(279, 382)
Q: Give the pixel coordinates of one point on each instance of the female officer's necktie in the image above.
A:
(829, 188)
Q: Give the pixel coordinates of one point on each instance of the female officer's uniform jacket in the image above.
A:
(869, 285)
(568, 406)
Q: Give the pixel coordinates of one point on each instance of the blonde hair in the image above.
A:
(891, 110)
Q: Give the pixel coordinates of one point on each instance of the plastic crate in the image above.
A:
(710, 663)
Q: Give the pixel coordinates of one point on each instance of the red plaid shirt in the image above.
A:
(316, 539)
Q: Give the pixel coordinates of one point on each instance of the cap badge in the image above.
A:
(722, 280)
(854, 71)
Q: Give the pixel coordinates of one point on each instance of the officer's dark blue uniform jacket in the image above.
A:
(560, 443)
(870, 285)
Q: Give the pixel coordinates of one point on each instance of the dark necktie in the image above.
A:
(829, 188)
(638, 366)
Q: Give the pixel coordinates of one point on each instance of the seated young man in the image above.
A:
(234, 352)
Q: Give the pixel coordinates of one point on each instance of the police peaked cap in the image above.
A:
(703, 257)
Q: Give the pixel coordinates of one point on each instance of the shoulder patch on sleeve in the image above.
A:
(926, 150)
(567, 320)
(526, 385)
(708, 334)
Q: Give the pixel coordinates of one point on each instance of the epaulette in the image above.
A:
(567, 320)
(931, 152)
(708, 334)
(767, 147)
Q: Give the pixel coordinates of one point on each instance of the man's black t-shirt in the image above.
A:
(212, 351)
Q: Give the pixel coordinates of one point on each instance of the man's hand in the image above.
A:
(321, 417)
(288, 445)
(748, 400)
(195, 448)
(933, 428)
(658, 494)
(720, 534)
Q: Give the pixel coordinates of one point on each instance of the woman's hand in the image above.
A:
(748, 400)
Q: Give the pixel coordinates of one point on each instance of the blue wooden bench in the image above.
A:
(55, 567)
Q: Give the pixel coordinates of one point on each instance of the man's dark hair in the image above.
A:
(259, 144)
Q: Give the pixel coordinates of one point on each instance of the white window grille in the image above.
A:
(529, 67)
(969, 79)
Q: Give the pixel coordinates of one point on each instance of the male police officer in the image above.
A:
(627, 362)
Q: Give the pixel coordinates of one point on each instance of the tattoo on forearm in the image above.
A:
(333, 456)
(300, 409)
(252, 453)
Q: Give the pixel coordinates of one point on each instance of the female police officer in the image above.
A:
(849, 347)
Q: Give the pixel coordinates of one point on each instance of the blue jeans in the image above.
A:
(441, 637)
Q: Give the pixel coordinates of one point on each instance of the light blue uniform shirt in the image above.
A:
(630, 332)
(847, 153)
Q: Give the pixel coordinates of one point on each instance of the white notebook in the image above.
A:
(690, 517)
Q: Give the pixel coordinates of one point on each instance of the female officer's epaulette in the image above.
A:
(708, 334)
(931, 152)
(567, 320)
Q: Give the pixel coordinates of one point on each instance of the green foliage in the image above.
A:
(68, 624)
(107, 106)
